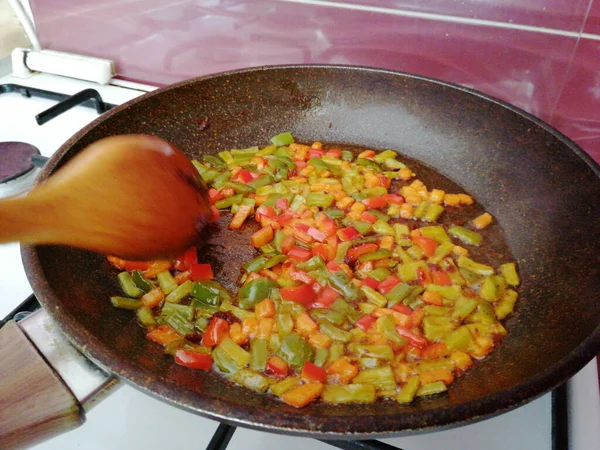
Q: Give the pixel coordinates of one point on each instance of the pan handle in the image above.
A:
(46, 384)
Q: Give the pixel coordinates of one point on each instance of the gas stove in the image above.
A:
(129, 419)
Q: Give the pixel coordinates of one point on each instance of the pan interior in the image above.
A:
(540, 189)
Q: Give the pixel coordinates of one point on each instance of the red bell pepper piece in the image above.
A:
(190, 257)
(244, 176)
(300, 275)
(287, 244)
(388, 284)
(217, 330)
(394, 198)
(376, 202)
(264, 211)
(214, 195)
(299, 253)
(334, 153)
(366, 322)
(282, 203)
(199, 272)
(315, 153)
(313, 373)
(302, 294)
(316, 234)
(414, 339)
(426, 244)
(368, 217)
(283, 219)
(439, 276)
(384, 180)
(215, 214)
(423, 276)
(301, 227)
(402, 309)
(276, 366)
(371, 282)
(362, 249)
(332, 266)
(326, 298)
(193, 360)
(347, 234)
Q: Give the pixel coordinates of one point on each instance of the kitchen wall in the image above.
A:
(11, 32)
(540, 55)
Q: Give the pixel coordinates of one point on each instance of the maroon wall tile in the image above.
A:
(160, 43)
(592, 25)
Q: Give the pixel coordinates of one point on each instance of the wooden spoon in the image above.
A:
(133, 196)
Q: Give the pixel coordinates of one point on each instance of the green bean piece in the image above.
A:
(348, 393)
(125, 303)
(385, 325)
(335, 333)
(284, 385)
(180, 323)
(336, 350)
(214, 161)
(433, 212)
(146, 317)
(240, 356)
(506, 304)
(398, 294)
(185, 311)
(341, 251)
(341, 283)
(431, 388)
(285, 324)
(259, 351)
(472, 266)
(229, 201)
(166, 282)
(509, 272)
(340, 305)
(282, 139)
(261, 181)
(319, 199)
(181, 292)
(465, 235)
(382, 253)
(237, 312)
(380, 274)
(141, 282)
(321, 355)
(382, 227)
(320, 315)
(251, 380)
(224, 362)
(172, 347)
(373, 296)
(439, 311)
(460, 339)
(381, 377)
(409, 390)
(128, 285)
(435, 232)
(435, 364)
(378, 351)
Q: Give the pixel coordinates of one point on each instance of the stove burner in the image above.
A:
(15, 160)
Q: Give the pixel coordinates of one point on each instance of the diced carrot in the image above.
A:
(250, 327)
(236, 333)
(153, 298)
(435, 351)
(367, 154)
(342, 371)
(417, 317)
(482, 221)
(116, 261)
(240, 217)
(302, 395)
(217, 330)
(157, 267)
(319, 340)
(433, 298)
(429, 376)
(265, 327)
(461, 360)
(164, 335)
(362, 249)
(387, 242)
(262, 237)
(305, 325)
(265, 308)
(465, 199)
(182, 277)
(428, 245)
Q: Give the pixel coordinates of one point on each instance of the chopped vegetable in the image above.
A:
(357, 289)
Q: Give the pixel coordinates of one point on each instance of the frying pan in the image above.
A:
(541, 188)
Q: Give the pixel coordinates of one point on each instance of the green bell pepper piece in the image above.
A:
(295, 351)
(180, 292)
(141, 282)
(166, 282)
(381, 377)
(255, 291)
(335, 333)
(282, 139)
(259, 352)
(341, 283)
(465, 235)
(128, 285)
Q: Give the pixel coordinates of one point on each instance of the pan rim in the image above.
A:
(443, 417)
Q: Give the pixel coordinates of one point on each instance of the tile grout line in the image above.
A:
(446, 18)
